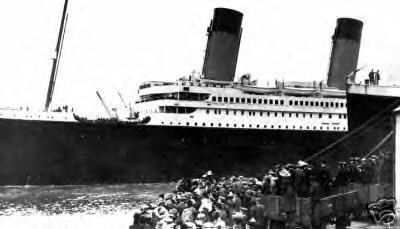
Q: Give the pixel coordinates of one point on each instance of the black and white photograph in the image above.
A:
(200, 114)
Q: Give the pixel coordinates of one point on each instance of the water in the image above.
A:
(73, 206)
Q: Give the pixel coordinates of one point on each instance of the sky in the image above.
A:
(113, 46)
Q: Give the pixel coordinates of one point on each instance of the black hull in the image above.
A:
(74, 153)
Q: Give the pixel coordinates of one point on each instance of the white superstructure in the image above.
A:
(211, 104)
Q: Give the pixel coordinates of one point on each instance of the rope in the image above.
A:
(356, 130)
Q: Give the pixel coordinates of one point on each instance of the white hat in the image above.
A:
(302, 163)
(252, 220)
(209, 173)
(284, 173)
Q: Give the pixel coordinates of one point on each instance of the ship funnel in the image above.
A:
(345, 50)
(223, 45)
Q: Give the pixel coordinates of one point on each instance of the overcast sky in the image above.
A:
(116, 45)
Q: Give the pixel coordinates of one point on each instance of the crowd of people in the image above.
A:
(211, 202)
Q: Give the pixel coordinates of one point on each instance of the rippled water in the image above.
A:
(72, 206)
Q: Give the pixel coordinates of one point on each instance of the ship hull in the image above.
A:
(42, 152)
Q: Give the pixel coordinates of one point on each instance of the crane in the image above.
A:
(105, 106)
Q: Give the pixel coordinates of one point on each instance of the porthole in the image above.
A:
(265, 101)
(187, 124)
(231, 100)
(219, 124)
(162, 122)
(227, 112)
(195, 123)
(234, 112)
(308, 127)
(260, 101)
(242, 125)
(287, 127)
(265, 126)
(248, 100)
(254, 101)
(301, 127)
(301, 103)
(320, 127)
(306, 103)
(234, 125)
(315, 128)
(249, 125)
(179, 123)
(294, 127)
(279, 126)
(258, 126)
(290, 102)
(207, 111)
(211, 124)
(282, 102)
(261, 114)
(170, 123)
(204, 124)
(272, 126)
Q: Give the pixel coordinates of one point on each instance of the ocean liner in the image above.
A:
(187, 126)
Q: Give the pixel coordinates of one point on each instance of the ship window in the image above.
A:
(254, 113)
(290, 102)
(227, 125)
(272, 126)
(207, 111)
(219, 99)
(336, 104)
(283, 114)
(279, 126)
(219, 111)
(179, 123)
(290, 115)
(282, 102)
(297, 115)
(242, 125)
(268, 114)
(231, 100)
(195, 123)
(296, 103)
(301, 127)
(234, 112)
(294, 127)
(261, 114)
(249, 125)
(301, 103)
(234, 125)
(242, 112)
(310, 115)
(331, 104)
(265, 126)
(211, 124)
(276, 102)
(341, 104)
(265, 101)
(311, 103)
(227, 111)
(162, 122)
(276, 114)
(344, 116)
(327, 127)
(271, 101)
(254, 101)
(215, 111)
(225, 99)
(306, 103)
(204, 124)
(214, 98)
(319, 115)
(330, 115)
(243, 100)
(340, 116)
(316, 104)
(260, 101)
(237, 100)
(187, 124)
(287, 127)
(248, 100)
(315, 128)
(258, 126)
(308, 127)
(326, 104)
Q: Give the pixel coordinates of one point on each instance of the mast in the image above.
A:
(56, 60)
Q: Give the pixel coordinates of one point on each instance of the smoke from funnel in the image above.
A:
(223, 45)
(345, 50)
